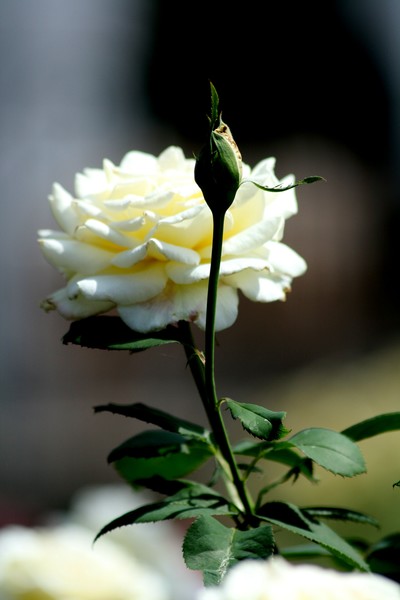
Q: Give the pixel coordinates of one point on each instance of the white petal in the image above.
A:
(157, 199)
(227, 308)
(183, 274)
(130, 224)
(87, 208)
(283, 204)
(264, 173)
(260, 287)
(285, 260)
(172, 158)
(63, 209)
(187, 274)
(156, 249)
(75, 256)
(90, 183)
(51, 233)
(189, 228)
(128, 258)
(77, 307)
(139, 163)
(184, 215)
(123, 289)
(176, 303)
(105, 232)
(252, 237)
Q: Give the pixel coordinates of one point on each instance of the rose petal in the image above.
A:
(156, 249)
(63, 209)
(106, 232)
(252, 237)
(76, 307)
(75, 256)
(260, 287)
(285, 260)
(123, 289)
(183, 274)
(90, 182)
(139, 163)
(178, 303)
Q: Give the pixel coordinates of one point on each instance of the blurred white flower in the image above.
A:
(277, 579)
(156, 545)
(59, 561)
(137, 237)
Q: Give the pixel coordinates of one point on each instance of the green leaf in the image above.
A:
(156, 417)
(331, 450)
(339, 514)
(384, 556)
(286, 456)
(250, 448)
(373, 426)
(111, 333)
(213, 548)
(192, 500)
(278, 452)
(257, 420)
(291, 517)
(304, 551)
(163, 453)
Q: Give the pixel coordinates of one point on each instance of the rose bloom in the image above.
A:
(277, 579)
(137, 237)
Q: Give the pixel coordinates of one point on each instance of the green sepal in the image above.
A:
(154, 452)
(156, 417)
(190, 501)
(281, 188)
(257, 420)
(212, 548)
(215, 114)
(292, 518)
(331, 450)
(339, 514)
(111, 333)
(373, 426)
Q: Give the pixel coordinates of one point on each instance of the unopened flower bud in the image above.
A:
(218, 170)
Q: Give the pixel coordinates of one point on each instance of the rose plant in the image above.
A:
(167, 242)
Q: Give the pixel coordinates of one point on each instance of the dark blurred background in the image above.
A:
(314, 84)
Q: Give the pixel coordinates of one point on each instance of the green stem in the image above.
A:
(213, 411)
(203, 372)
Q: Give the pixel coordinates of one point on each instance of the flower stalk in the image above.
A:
(217, 422)
(218, 173)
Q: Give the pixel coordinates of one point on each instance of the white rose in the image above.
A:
(137, 237)
(277, 579)
(61, 563)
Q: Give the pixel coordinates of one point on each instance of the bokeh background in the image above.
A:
(317, 85)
